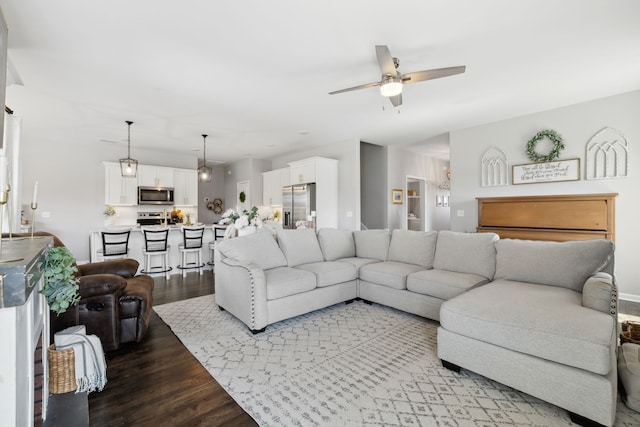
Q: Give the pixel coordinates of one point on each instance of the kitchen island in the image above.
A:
(212, 232)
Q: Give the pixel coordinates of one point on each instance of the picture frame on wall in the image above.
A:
(439, 201)
(397, 196)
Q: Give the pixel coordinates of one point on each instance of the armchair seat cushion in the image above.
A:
(285, 281)
(388, 273)
(443, 284)
(331, 272)
(539, 320)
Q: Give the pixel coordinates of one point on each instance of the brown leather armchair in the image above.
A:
(115, 303)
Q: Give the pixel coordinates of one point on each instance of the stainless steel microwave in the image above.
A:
(155, 195)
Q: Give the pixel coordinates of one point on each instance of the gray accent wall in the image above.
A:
(577, 124)
(373, 185)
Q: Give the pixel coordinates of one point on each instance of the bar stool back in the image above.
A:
(156, 245)
(218, 233)
(115, 244)
(191, 244)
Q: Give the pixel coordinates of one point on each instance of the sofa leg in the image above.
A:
(366, 301)
(450, 366)
(221, 308)
(350, 301)
(257, 331)
(582, 421)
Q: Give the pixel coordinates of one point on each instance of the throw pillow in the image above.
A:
(260, 249)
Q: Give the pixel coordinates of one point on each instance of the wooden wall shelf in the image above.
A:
(557, 217)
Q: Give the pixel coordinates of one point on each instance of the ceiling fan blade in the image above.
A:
(396, 100)
(385, 61)
(364, 86)
(419, 76)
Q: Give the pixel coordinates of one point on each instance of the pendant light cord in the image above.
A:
(129, 139)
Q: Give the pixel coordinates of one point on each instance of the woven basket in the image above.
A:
(62, 371)
(630, 332)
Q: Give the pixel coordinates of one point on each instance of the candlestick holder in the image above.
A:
(34, 206)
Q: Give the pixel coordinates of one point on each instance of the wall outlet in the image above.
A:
(460, 212)
(46, 214)
(349, 214)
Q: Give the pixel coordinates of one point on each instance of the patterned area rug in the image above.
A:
(350, 365)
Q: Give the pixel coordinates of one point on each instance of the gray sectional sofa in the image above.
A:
(538, 316)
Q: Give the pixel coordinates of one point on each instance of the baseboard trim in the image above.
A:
(629, 297)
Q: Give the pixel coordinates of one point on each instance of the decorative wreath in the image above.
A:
(558, 145)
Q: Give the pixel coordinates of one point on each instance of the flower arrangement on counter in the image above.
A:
(109, 211)
(246, 218)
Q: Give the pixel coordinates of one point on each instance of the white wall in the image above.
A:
(348, 155)
(71, 183)
(577, 124)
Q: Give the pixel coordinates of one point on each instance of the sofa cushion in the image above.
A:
(413, 247)
(260, 249)
(336, 243)
(331, 272)
(443, 284)
(300, 246)
(543, 321)
(473, 253)
(629, 373)
(372, 244)
(358, 262)
(285, 281)
(389, 273)
(565, 264)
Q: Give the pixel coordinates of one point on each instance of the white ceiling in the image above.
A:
(255, 74)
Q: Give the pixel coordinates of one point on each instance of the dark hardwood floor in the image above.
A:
(157, 382)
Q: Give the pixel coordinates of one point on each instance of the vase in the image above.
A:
(246, 230)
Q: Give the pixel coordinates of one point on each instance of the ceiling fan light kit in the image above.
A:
(392, 81)
(391, 86)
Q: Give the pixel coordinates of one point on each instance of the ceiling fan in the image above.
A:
(392, 81)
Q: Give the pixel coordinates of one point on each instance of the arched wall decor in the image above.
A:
(607, 155)
(494, 168)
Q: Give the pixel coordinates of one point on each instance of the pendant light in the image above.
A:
(129, 166)
(204, 172)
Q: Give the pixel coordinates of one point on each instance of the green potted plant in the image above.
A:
(60, 283)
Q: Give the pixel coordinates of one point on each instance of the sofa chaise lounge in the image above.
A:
(538, 316)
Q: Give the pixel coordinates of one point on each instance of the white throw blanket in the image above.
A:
(90, 365)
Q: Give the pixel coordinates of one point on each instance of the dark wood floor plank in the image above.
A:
(158, 382)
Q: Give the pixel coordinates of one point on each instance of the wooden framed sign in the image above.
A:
(559, 170)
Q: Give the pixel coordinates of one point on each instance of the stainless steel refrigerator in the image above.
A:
(299, 205)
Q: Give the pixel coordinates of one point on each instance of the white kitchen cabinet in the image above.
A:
(155, 176)
(118, 191)
(324, 173)
(185, 182)
(272, 183)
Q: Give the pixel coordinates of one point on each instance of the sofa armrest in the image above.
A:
(241, 289)
(127, 268)
(600, 293)
(100, 284)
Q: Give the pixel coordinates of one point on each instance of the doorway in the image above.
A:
(416, 210)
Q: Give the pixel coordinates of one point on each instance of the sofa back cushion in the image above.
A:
(300, 246)
(336, 244)
(260, 249)
(413, 247)
(473, 253)
(564, 264)
(372, 244)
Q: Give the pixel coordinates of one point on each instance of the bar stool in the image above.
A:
(115, 244)
(192, 244)
(156, 245)
(216, 236)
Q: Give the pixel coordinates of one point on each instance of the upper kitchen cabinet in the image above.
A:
(118, 191)
(155, 176)
(324, 173)
(185, 183)
(272, 183)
